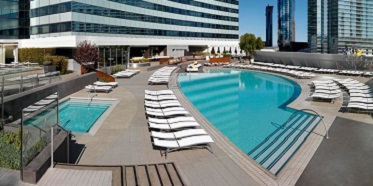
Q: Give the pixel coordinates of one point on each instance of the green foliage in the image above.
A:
(249, 43)
(226, 54)
(34, 148)
(116, 69)
(60, 62)
(259, 43)
(35, 55)
(10, 145)
(102, 79)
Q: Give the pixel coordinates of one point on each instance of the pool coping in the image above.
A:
(295, 166)
(98, 123)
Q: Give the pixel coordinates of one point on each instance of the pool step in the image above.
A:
(277, 148)
(152, 174)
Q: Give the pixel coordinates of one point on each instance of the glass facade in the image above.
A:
(286, 22)
(177, 18)
(107, 12)
(348, 23)
(14, 19)
(269, 25)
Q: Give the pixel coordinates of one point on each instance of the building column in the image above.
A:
(2, 54)
(15, 54)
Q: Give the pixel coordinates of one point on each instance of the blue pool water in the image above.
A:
(76, 116)
(80, 116)
(250, 109)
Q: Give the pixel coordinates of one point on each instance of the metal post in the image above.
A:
(52, 147)
(122, 56)
(104, 57)
(110, 57)
(2, 104)
(116, 56)
(21, 84)
(21, 146)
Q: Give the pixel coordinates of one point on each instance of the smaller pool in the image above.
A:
(79, 116)
(76, 115)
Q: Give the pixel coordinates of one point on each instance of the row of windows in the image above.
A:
(157, 7)
(235, 2)
(205, 5)
(100, 11)
(111, 29)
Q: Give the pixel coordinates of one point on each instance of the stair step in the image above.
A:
(153, 175)
(275, 168)
(282, 139)
(274, 136)
(130, 175)
(173, 174)
(164, 175)
(142, 176)
(286, 143)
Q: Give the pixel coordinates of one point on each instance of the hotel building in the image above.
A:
(286, 23)
(141, 27)
(269, 26)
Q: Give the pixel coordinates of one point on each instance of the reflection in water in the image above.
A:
(241, 104)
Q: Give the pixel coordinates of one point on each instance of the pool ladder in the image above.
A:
(310, 110)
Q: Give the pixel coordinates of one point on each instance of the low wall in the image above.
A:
(330, 61)
(35, 170)
(15, 103)
(220, 60)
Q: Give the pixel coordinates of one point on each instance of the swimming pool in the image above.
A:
(76, 115)
(250, 109)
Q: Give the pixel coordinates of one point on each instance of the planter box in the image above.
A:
(220, 60)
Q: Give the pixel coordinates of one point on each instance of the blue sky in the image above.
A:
(252, 18)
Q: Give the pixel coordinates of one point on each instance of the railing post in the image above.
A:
(52, 150)
(21, 85)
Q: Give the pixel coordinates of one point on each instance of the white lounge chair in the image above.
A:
(160, 98)
(172, 120)
(112, 84)
(160, 92)
(168, 114)
(173, 126)
(178, 134)
(184, 143)
(165, 110)
(92, 88)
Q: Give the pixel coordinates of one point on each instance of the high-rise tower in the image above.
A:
(286, 22)
(269, 25)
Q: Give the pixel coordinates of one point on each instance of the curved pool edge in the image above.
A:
(261, 175)
(292, 171)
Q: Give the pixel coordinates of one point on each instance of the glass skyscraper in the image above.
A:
(335, 24)
(286, 22)
(14, 19)
(269, 25)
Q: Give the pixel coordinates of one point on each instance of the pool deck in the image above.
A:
(124, 139)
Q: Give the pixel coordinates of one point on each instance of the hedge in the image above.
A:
(35, 55)
(10, 145)
(60, 62)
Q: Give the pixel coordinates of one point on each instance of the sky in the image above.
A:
(252, 18)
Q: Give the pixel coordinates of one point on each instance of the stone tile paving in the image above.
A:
(124, 138)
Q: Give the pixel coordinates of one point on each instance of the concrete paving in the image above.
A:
(344, 159)
(124, 139)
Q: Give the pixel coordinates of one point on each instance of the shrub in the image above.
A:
(10, 145)
(60, 62)
(116, 69)
(35, 55)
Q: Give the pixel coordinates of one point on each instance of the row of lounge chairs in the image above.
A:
(326, 90)
(126, 74)
(99, 86)
(361, 95)
(293, 73)
(40, 104)
(172, 127)
(318, 70)
(216, 64)
(161, 76)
